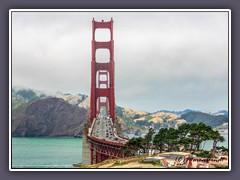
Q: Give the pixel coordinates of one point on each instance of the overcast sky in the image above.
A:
(163, 60)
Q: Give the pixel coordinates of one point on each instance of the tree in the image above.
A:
(160, 140)
(119, 111)
(136, 116)
(186, 142)
(216, 137)
(27, 94)
(183, 132)
(199, 133)
(148, 140)
(172, 138)
(134, 145)
(222, 149)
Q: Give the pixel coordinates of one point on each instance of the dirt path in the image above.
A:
(137, 165)
(106, 165)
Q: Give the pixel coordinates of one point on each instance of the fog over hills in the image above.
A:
(36, 113)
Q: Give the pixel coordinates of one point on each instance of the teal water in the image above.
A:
(46, 152)
(209, 144)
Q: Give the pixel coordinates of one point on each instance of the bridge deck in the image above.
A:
(103, 130)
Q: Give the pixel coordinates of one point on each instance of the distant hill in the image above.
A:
(222, 112)
(210, 120)
(139, 121)
(37, 113)
(178, 112)
(125, 117)
(223, 126)
(48, 117)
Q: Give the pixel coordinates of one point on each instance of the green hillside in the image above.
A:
(210, 120)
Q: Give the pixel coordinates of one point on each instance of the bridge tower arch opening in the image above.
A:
(103, 105)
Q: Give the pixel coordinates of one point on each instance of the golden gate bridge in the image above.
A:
(101, 139)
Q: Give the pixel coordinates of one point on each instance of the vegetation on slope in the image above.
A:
(210, 120)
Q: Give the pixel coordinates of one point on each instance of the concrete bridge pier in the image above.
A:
(86, 152)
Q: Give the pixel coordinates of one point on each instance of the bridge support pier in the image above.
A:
(86, 152)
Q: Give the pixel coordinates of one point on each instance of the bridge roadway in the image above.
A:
(103, 129)
(104, 141)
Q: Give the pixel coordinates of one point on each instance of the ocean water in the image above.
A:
(46, 152)
(56, 152)
(209, 144)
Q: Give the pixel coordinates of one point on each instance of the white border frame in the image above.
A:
(121, 10)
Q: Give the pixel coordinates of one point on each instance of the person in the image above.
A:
(191, 155)
(171, 163)
(189, 160)
(189, 163)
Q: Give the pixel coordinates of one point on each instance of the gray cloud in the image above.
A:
(172, 60)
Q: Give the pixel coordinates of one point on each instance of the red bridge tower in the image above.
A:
(96, 149)
(102, 69)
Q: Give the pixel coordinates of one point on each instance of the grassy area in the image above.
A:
(119, 163)
(204, 154)
(148, 118)
(153, 163)
(221, 167)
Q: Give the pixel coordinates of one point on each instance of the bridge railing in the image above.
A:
(91, 127)
(123, 137)
(105, 141)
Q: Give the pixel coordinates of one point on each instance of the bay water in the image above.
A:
(46, 152)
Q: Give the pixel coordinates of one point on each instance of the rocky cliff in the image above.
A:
(48, 117)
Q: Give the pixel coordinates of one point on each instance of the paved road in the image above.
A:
(104, 129)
